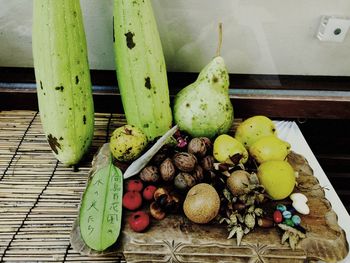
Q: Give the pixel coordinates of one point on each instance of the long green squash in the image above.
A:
(140, 67)
(63, 78)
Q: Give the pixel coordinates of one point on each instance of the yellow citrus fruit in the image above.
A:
(225, 146)
(253, 128)
(269, 148)
(278, 178)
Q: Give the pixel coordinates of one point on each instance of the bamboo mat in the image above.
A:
(39, 197)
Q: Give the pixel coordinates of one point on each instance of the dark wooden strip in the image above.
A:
(334, 162)
(181, 79)
(245, 106)
(291, 107)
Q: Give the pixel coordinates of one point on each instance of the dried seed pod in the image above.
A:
(197, 147)
(163, 200)
(167, 170)
(184, 161)
(160, 191)
(184, 181)
(249, 220)
(239, 206)
(208, 163)
(172, 204)
(156, 211)
(265, 222)
(198, 174)
(149, 174)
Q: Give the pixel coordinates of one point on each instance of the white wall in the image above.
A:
(260, 36)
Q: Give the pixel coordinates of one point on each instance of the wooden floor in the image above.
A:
(39, 197)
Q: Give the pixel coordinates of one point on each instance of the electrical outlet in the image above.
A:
(333, 28)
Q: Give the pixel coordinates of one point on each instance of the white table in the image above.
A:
(290, 132)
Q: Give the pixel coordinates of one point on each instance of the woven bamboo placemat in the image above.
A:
(39, 197)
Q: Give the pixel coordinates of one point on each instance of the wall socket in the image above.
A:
(333, 28)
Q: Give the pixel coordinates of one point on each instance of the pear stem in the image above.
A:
(218, 50)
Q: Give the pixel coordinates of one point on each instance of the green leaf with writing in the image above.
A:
(101, 208)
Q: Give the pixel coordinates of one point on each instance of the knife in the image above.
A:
(143, 160)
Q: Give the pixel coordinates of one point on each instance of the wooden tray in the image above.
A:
(176, 239)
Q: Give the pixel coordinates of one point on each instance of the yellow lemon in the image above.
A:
(253, 128)
(278, 178)
(269, 148)
(225, 147)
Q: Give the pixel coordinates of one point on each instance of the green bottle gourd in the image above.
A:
(140, 66)
(63, 78)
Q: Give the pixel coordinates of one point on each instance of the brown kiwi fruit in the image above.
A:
(202, 203)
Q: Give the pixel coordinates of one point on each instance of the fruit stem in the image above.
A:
(218, 50)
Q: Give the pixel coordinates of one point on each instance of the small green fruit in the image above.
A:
(225, 147)
(269, 148)
(127, 143)
(253, 128)
(278, 178)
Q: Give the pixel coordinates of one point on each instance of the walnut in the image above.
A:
(149, 174)
(184, 161)
(162, 154)
(207, 142)
(167, 170)
(208, 163)
(198, 174)
(197, 147)
(184, 181)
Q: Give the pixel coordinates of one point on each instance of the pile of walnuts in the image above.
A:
(183, 167)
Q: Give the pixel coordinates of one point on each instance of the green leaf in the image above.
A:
(101, 208)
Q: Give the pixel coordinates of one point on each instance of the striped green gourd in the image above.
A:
(63, 78)
(140, 66)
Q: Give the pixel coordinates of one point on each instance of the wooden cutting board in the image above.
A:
(176, 239)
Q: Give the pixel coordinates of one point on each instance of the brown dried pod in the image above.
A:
(149, 174)
(156, 211)
(160, 191)
(208, 163)
(184, 161)
(265, 222)
(163, 200)
(184, 181)
(197, 147)
(198, 174)
(238, 206)
(174, 204)
(167, 170)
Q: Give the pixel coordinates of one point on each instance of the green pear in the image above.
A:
(269, 148)
(204, 109)
(254, 128)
